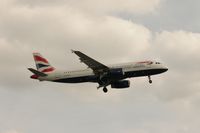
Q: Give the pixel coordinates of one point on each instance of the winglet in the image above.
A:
(72, 50)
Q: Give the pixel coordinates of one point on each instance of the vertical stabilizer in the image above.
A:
(42, 64)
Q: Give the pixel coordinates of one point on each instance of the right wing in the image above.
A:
(96, 66)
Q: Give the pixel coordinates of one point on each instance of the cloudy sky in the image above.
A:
(111, 31)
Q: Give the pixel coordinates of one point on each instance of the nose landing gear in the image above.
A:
(150, 81)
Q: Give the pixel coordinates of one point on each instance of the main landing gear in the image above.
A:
(150, 81)
(105, 90)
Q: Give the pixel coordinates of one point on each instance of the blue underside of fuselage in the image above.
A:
(126, 75)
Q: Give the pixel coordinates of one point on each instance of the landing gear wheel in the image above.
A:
(105, 90)
(150, 81)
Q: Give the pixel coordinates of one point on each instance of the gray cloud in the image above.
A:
(171, 15)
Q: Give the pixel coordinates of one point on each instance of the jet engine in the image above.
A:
(121, 84)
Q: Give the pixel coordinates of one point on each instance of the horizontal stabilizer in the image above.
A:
(38, 73)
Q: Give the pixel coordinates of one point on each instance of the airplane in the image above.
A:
(114, 75)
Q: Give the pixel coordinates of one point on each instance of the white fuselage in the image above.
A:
(135, 69)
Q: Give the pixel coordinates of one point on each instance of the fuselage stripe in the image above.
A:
(38, 58)
(48, 70)
(42, 65)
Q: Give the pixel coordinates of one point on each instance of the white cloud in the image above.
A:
(11, 131)
(131, 6)
(179, 51)
(61, 28)
(25, 29)
(100, 7)
(186, 43)
(63, 25)
(53, 28)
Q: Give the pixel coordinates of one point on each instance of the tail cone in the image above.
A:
(34, 77)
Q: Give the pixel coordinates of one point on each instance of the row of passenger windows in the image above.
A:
(76, 71)
(127, 67)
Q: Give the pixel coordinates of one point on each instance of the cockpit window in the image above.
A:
(157, 62)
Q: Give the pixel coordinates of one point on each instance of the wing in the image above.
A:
(96, 66)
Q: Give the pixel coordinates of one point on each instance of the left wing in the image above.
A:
(96, 66)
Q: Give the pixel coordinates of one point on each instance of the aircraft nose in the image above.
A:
(165, 69)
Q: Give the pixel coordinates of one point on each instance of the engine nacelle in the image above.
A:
(121, 84)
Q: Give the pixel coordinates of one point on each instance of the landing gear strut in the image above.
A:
(150, 81)
(105, 90)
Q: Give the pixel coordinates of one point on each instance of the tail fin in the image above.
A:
(42, 64)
